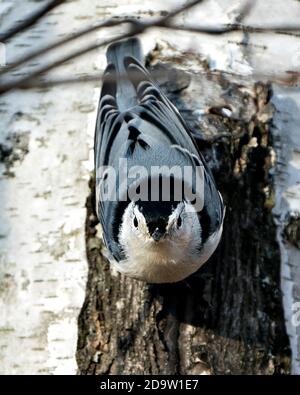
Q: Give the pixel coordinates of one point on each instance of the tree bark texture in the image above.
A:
(227, 318)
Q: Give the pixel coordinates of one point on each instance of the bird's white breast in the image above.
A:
(165, 262)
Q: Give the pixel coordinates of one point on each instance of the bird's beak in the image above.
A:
(157, 234)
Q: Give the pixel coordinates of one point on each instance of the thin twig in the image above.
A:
(179, 10)
(136, 27)
(287, 78)
(163, 23)
(87, 30)
(81, 33)
(30, 20)
(5, 87)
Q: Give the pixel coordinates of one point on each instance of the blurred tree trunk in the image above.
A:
(227, 318)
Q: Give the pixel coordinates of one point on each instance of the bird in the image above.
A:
(140, 138)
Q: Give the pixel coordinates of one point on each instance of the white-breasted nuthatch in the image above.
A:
(142, 144)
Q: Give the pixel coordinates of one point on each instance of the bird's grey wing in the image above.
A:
(158, 110)
(108, 124)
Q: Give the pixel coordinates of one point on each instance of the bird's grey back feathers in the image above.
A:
(134, 116)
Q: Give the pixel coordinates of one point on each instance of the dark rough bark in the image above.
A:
(227, 318)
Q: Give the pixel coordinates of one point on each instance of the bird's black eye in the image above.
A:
(135, 222)
(179, 222)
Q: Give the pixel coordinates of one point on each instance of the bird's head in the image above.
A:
(159, 222)
(157, 237)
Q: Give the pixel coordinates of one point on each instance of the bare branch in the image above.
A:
(179, 10)
(90, 29)
(30, 20)
(5, 87)
(34, 54)
(162, 23)
(234, 27)
(134, 27)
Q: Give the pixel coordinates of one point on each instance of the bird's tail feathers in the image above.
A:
(116, 53)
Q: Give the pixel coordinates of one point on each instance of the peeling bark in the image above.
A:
(227, 318)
